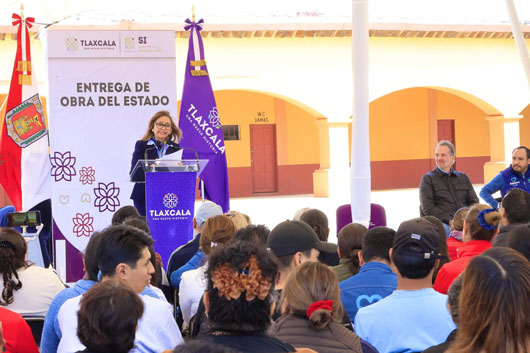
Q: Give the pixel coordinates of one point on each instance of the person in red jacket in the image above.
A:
(17, 336)
(454, 241)
(481, 224)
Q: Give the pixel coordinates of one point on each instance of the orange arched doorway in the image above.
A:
(405, 126)
(274, 145)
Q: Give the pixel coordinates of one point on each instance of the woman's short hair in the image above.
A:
(520, 240)
(318, 221)
(350, 241)
(13, 250)
(241, 277)
(240, 220)
(108, 317)
(253, 233)
(123, 213)
(494, 304)
(458, 218)
(218, 230)
(90, 257)
(307, 284)
(176, 133)
(478, 231)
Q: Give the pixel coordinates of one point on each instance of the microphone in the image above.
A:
(145, 156)
(196, 156)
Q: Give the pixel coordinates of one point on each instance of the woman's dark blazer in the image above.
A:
(138, 193)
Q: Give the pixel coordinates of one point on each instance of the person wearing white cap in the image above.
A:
(184, 253)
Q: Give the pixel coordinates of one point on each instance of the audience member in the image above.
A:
(257, 234)
(520, 240)
(375, 280)
(198, 346)
(480, 226)
(319, 222)
(310, 306)
(453, 296)
(216, 230)
(51, 333)
(299, 213)
(122, 213)
(444, 190)
(26, 289)
(515, 210)
(239, 298)
(123, 254)
(240, 220)
(515, 176)
(444, 251)
(454, 241)
(156, 281)
(350, 241)
(16, 333)
(107, 318)
(414, 317)
(183, 254)
(494, 304)
(293, 243)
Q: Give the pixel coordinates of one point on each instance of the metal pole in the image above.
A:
(202, 191)
(360, 153)
(519, 38)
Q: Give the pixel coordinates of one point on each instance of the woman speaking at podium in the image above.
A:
(161, 138)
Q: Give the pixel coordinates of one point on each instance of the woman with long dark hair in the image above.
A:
(26, 289)
(494, 304)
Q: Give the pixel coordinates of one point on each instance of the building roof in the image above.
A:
(276, 18)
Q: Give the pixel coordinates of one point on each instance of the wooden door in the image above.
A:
(263, 157)
(446, 131)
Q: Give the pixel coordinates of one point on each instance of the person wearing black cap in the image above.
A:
(414, 317)
(293, 243)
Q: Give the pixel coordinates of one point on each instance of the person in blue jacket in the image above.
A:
(161, 138)
(517, 175)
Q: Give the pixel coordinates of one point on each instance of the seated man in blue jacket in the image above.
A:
(516, 175)
(375, 280)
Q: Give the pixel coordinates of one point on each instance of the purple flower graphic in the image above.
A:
(63, 166)
(213, 116)
(106, 197)
(170, 200)
(83, 224)
(87, 175)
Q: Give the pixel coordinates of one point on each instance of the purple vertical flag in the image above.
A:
(200, 123)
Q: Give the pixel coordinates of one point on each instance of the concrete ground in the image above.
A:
(400, 205)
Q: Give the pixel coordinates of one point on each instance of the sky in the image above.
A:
(100, 12)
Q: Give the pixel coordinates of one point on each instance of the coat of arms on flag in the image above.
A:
(24, 165)
(25, 122)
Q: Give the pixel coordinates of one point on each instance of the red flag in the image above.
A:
(24, 162)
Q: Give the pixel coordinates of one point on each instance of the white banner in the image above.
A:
(104, 86)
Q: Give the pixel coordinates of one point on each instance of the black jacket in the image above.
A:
(138, 193)
(442, 194)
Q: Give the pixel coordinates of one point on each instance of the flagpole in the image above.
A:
(360, 150)
(519, 38)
